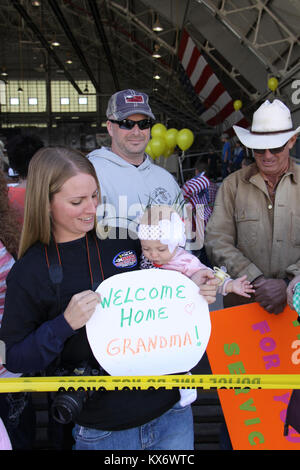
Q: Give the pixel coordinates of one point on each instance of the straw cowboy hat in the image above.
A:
(271, 127)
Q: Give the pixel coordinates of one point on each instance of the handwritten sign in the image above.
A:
(249, 340)
(150, 322)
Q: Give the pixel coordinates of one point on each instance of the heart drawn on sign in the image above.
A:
(189, 308)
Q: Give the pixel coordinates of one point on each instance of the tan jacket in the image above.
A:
(248, 234)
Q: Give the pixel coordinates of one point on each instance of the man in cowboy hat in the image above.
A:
(255, 225)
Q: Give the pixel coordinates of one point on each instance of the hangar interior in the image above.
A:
(61, 60)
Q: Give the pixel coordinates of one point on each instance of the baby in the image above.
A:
(162, 235)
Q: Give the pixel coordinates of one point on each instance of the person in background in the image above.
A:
(16, 409)
(226, 155)
(199, 190)
(212, 158)
(253, 229)
(20, 150)
(3, 158)
(195, 193)
(247, 161)
(200, 193)
(238, 155)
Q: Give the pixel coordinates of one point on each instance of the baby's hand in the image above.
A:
(240, 286)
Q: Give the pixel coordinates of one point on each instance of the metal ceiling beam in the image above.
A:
(125, 12)
(44, 43)
(102, 35)
(261, 9)
(60, 17)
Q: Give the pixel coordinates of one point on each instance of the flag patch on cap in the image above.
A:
(134, 99)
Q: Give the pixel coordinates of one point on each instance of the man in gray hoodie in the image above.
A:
(129, 180)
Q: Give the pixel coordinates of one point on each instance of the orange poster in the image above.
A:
(248, 340)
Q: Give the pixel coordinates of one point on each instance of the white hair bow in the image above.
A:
(169, 232)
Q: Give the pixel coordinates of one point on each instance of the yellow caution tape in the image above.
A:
(104, 383)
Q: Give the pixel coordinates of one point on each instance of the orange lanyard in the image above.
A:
(55, 270)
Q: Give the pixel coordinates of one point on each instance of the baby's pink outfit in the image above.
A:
(188, 264)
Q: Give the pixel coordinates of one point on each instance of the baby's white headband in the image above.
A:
(168, 232)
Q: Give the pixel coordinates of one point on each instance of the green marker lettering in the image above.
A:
(139, 316)
(179, 294)
(127, 295)
(136, 294)
(104, 301)
(116, 297)
(161, 313)
(125, 318)
(153, 293)
(166, 291)
(150, 313)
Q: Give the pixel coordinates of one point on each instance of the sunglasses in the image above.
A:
(273, 151)
(128, 124)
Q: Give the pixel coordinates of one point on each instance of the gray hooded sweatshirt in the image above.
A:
(126, 189)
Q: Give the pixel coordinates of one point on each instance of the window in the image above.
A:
(64, 97)
(77, 103)
(32, 101)
(83, 100)
(14, 101)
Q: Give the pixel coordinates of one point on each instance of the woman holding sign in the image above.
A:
(50, 297)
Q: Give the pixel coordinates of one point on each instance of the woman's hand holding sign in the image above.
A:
(80, 308)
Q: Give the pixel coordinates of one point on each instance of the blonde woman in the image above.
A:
(50, 297)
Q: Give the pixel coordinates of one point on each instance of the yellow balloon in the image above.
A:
(158, 130)
(158, 146)
(237, 104)
(185, 139)
(170, 137)
(168, 151)
(272, 83)
(149, 150)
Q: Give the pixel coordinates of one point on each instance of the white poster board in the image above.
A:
(150, 322)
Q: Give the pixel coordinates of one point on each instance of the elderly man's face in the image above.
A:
(274, 164)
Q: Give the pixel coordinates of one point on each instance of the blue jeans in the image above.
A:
(174, 430)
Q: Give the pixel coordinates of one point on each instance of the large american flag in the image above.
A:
(216, 107)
